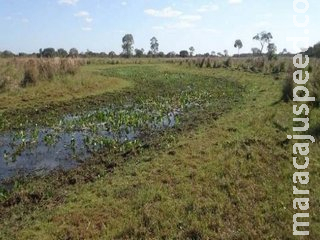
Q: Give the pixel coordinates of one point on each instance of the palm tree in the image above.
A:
(238, 44)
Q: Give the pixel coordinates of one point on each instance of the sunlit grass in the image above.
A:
(220, 178)
(86, 82)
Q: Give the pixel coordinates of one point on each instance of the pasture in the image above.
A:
(150, 149)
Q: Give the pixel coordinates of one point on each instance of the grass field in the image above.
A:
(86, 82)
(223, 172)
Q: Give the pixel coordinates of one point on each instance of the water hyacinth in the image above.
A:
(113, 127)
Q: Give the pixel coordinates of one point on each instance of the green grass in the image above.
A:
(87, 82)
(229, 178)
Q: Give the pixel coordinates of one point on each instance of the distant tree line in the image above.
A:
(314, 51)
(264, 38)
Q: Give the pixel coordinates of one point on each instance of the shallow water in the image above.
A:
(39, 151)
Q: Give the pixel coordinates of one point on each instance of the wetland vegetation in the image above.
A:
(156, 148)
(194, 125)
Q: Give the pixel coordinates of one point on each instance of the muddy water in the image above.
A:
(49, 149)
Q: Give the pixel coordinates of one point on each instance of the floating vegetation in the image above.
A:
(75, 137)
(122, 122)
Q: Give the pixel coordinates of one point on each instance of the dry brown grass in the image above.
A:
(23, 72)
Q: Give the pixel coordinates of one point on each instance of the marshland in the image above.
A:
(154, 144)
(160, 143)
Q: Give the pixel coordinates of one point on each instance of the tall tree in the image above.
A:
(73, 53)
(127, 45)
(7, 53)
(154, 45)
(264, 38)
(255, 51)
(62, 53)
(49, 52)
(284, 51)
(191, 49)
(238, 44)
(272, 49)
(171, 54)
(184, 53)
(314, 51)
(139, 52)
(112, 54)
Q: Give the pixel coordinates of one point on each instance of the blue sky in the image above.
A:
(99, 25)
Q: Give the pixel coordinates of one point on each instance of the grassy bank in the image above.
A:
(86, 82)
(226, 173)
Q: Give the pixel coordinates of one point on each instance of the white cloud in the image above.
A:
(86, 29)
(177, 25)
(158, 27)
(209, 30)
(168, 12)
(120, 31)
(124, 3)
(235, 1)
(183, 22)
(85, 16)
(68, 2)
(263, 24)
(208, 8)
(181, 25)
(88, 19)
(82, 14)
(190, 17)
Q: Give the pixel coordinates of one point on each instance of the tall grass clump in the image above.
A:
(228, 63)
(315, 84)
(31, 73)
(11, 72)
(69, 66)
(202, 63)
(3, 83)
(48, 69)
(288, 86)
(208, 64)
(36, 70)
(259, 62)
